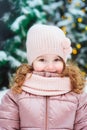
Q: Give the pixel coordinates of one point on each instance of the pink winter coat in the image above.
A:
(29, 111)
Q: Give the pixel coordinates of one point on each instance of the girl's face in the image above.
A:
(48, 63)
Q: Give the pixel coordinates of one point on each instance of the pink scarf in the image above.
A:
(46, 84)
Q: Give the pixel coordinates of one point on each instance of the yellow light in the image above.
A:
(65, 32)
(64, 29)
(83, 73)
(80, 19)
(74, 51)
(86, 28)
(78, 46)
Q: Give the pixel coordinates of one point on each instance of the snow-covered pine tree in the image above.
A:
(20, 15)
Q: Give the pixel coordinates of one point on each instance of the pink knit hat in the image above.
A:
(47, 39)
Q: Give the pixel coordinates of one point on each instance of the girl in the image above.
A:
(47, 93)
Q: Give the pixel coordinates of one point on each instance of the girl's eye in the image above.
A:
(41, 60)
(57, 59)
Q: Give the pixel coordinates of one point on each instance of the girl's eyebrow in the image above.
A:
(40, 57)
(57, 57)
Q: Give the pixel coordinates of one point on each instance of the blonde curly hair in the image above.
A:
(76, 77)
(71, 70)
(19, 77)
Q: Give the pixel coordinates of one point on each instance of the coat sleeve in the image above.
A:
(9, 115)
(81, 113)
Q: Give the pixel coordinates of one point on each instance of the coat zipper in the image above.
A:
(46, 123)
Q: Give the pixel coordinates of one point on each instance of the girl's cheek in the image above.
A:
(38, 67)
(60, 67)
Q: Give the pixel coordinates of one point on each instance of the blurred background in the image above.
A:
(16, 17)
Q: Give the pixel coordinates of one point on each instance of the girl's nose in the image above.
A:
(50, 67)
